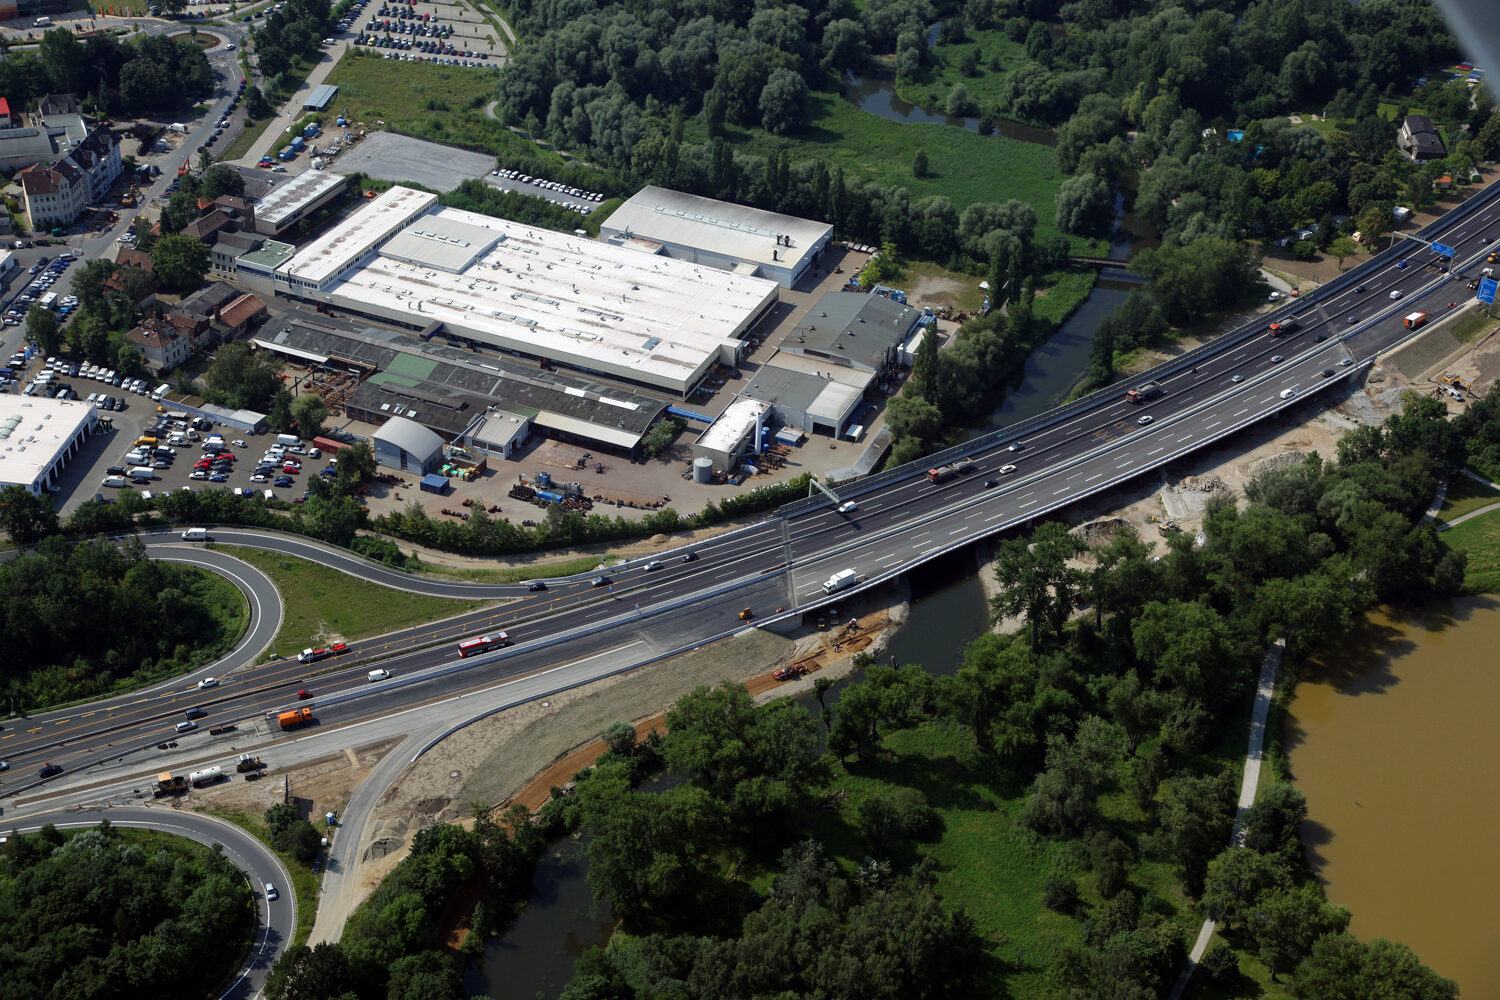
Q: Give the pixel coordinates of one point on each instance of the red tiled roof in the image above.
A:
(240, 310)
(132, 257)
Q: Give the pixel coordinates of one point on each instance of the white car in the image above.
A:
(1396, 294)
(1288, 393)
(1143, 421)
(208, 682)
(238, 443)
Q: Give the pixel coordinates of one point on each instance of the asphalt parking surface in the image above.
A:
(400, 159)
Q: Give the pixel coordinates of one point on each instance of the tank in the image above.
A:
(703, 469)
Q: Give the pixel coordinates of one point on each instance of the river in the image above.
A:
(1391, 739)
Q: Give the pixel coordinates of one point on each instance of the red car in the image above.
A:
(304, 695)
(291, 469)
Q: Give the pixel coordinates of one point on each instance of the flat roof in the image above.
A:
(285, 200)
(852, 328)
(721, 227)
(270, 255)
(33, 430)
(729, 429)
(344, 243)
(805, 392)
(651, 319)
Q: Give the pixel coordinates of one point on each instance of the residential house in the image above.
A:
(160, 344)
(1419, 141)
(239, 316)
(55, 195)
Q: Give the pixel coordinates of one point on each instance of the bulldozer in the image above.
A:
(746, 615)
(1167, 527)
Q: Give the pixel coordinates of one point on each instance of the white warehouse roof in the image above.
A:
(35, 432)
(410, 436)
(286, 200)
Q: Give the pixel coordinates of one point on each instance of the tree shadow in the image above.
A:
(1315, 838)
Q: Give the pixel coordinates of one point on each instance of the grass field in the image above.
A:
(304, 882)
(963, 166)
(1464, 495)
(1480, 538)
(441, 103)
(321, 603)
(931, 89)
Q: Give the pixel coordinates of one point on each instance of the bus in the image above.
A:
(494, 640)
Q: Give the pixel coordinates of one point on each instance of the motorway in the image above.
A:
(779, 564)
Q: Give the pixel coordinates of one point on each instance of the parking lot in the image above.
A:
(578, 199)
(449, 34)
(400, 158)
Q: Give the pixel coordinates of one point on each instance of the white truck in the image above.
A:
(48, 301)
(178, 127)
(195, 535)
(839, 581)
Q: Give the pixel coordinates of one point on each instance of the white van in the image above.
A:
(195, 535)
(115, 482)
(288, 439)
(143, 473)
(379, 675)
(160, 391)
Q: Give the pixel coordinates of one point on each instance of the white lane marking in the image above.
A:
(1209, 427)
(1150, 453)
(1097, 475)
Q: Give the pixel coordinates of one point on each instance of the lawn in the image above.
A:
(304, 882)
(963, 166)
(320, 603)
(1480, 538)
(441, 103)
(518, 574)
(1464, 495)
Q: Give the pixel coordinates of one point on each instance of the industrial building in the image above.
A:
(407, 446)
(489, 283)
(288, 204)
(720, 234)
(39, 436)
(486, 404)
(320, 98)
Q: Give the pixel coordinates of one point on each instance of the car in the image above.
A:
(161, 464)
(990, 484)
(196, 713)
(1143, 421)
(1359, 288)
(1237, 379)
(304, 694)
(1346, 362)
(1328, 373)
(1017, 446)
(313, 655)
(49, 771)
(689, 557)
(848, 507)
(1395, 295)
(1006, 470)
(1401, 264)
(1273, 296)
(1288, 393)
(218, 477)
(260, 478)
(536, 585)
(238, 443)
(338, 647)
(208, 682)
(198, 474)
(1277, 359)
(282, 482)
(652, 565)
(271, 892)
(600, 581)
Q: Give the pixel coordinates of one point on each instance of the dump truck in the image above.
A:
(296, 717)
(1289, 324)
(1143, 392)
(943, 473)
(248, 762)
(169, 784)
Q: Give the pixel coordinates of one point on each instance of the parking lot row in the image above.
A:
(151, 461)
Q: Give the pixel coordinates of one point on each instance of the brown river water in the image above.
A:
(1394, 740)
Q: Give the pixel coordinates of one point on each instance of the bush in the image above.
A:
(1060, 894)
(1220, 964)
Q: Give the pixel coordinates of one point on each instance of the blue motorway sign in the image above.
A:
(1487, 288)
(1446, 251)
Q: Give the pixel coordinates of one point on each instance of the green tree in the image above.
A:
(1236, 880)
(1196, 814)
(280, 417)
(919, 164)
(1342, 249)
(242, 379)
(1085, 205)
(318, 973)
(309, 411)
(179, 262)
(220, 179)
(1341, 967)
(1036, 579)
(662, 435)
(784, 102)
(41, 326)
(1284, 925)
(28, 517)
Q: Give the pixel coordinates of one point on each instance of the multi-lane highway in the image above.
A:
(780, 564)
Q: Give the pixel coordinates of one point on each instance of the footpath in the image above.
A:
(1248, 786)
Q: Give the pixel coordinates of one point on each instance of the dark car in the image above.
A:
(1328, 373)
(601, 581)
(1359, 288)
(117, 470)
(689, 556)
(282, 482)
(195, 713)
(536, 585)
(1321, 337)
(50, 770)
(990, 484)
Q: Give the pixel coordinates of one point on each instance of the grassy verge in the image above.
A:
(304, 882)
(319, 602)
(1464, 495)
(441, 103)
(519, 574)
(1472, 326)
(1480, 538)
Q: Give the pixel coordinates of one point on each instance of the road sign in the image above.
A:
(1446, 251)
(1487, 288)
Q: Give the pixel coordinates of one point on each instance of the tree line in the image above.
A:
(142, 75)
(80, 619)
(94, 914)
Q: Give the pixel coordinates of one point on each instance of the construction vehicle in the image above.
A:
(943, 473)
(1453, 381)
(248, 762)
(182, 170)
(1165, 528)
(790, 671)
(1290, 324)
(296, 717)
(169, 784)
(1143, 392)
(746, 615)
(1415, 320)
